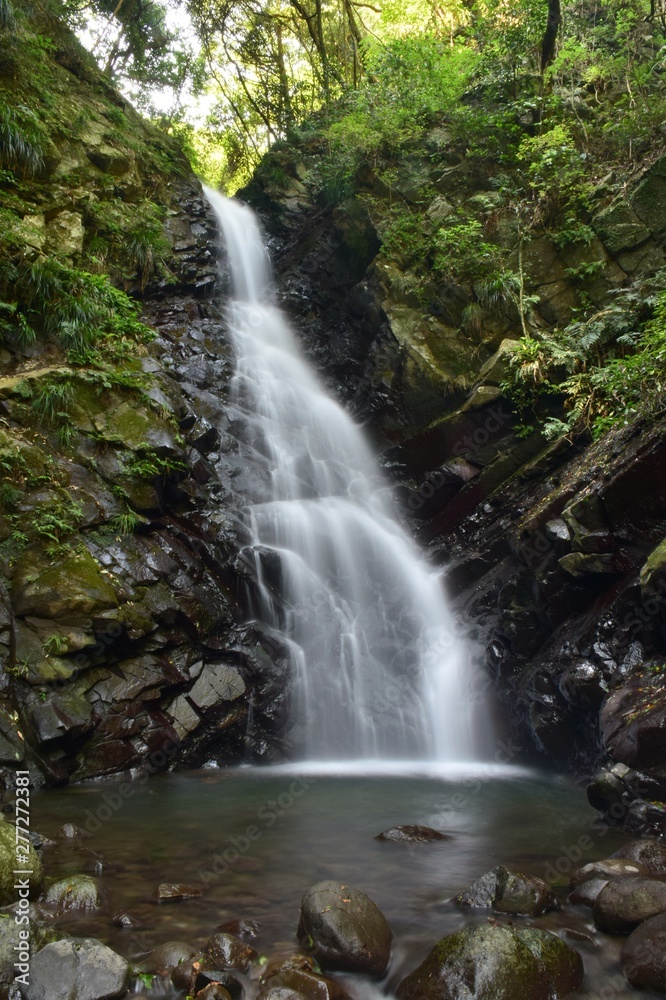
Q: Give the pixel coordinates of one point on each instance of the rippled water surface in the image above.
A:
(257, 839)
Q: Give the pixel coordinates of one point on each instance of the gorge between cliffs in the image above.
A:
(333, 533)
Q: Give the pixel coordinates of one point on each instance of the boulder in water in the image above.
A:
(347, 931)
(74, 969)
(626, 902)
(167, 956)
(509, 892)
(607, 869)
(586, 893)
(79, 892)
(412, 835)
(643, 956)
(495, 963)
(650, 853)
(227, 952)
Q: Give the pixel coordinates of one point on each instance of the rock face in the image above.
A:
(347, 931)
(495, 963)
(77, 969)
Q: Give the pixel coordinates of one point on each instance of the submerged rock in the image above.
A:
(167, 956)
(412, 835)
(626, 902)
(77, 969)
(495, 963)
(172, 892)
(347, 930)
(509, 892)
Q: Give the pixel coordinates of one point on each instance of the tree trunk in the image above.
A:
(550, 34)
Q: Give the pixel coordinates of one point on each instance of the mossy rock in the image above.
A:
(9, 863)
(653, 577)
(52, 588)
(78, 892)
(495, 963)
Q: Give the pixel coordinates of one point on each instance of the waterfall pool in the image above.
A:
(256, 838)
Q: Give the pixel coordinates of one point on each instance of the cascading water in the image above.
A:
(380, 670)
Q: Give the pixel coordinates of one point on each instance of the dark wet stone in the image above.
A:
(643, 956)
(586, 893)
(246, 930)
(221, 977)
(172, 892)
(214, 991)
(347, 931)
(626, 902)
(77, 969)
(70, 831)
(495, 963)
(227, 952)
(79, 892)
(166, 957)
(509, 892)
(302, 982)
(412, 835)
(123, 919)
(650, 853)
(279, 993)
(607, 869)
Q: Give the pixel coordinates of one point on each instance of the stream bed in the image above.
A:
(254, 839)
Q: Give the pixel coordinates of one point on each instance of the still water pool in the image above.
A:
(256, 839)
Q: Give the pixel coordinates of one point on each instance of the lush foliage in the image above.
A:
(604, 370)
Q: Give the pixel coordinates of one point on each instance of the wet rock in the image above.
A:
(626, 902)
(65, 585)
(246, 930)
(8, 863)
(607, 869)
(509, 892)
(586, 893)
(173, 892)
(495, 963)
(75, 969)
(227, 952)
(279, 993)
(643, 956)
(167, 956)
(303, 982)
(123, 919)
(649, 853)
(79, 892)
(214, 991)
(70, 831)
(347, 930)
(633, 721)
(412, 835)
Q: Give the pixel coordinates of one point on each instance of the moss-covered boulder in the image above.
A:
(8, 864)
(626, 902)
(79, 892)
(66, 584)
(495, 963)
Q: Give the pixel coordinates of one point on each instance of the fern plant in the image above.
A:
(18, 151)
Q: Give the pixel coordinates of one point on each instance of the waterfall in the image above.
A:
(379, 667)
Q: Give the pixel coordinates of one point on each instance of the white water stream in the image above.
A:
(381, 671)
